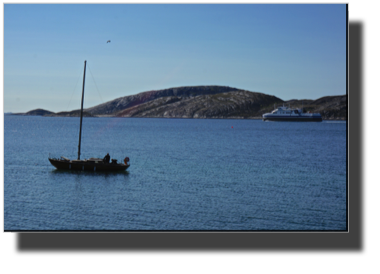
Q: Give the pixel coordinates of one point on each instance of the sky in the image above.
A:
(292, 51)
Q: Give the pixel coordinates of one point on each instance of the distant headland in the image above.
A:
(203, 102)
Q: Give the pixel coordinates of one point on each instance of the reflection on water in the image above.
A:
(87, 173)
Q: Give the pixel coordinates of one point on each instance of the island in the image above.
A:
(203, 102)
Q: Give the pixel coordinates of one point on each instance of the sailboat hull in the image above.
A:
(87, 165)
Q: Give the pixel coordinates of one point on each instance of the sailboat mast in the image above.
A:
(81, 110)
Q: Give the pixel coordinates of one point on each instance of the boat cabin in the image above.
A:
(285, 110)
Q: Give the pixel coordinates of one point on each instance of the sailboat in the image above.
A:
(92, 164)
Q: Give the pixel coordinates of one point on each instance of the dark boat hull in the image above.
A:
(87, 165)
(293, 119)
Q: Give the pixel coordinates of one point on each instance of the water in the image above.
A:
(185, 174)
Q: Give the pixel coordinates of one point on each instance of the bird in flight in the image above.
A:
(109, 41)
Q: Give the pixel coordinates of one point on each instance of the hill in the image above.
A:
(46, 113)
(73, 113)
(126, 102)
(212, 102)
(36, 112)
(230, 104)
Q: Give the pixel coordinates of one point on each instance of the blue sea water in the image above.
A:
(185, 174)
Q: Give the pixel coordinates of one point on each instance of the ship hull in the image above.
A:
(293, 119)
(88, 166)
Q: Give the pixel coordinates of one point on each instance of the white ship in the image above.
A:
(291, 114)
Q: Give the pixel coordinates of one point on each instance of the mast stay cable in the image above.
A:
(95, 84)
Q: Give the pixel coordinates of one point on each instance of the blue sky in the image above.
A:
(290, 51)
